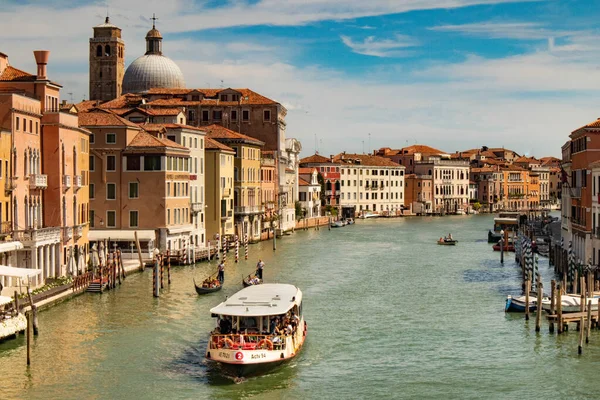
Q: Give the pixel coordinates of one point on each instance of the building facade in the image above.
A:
(107, 62)
(219, 189)
(309, 192)
(450, 183)
(419, 194)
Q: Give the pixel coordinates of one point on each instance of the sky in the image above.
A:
(355, 75)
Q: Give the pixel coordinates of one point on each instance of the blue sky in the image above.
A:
(453, 74)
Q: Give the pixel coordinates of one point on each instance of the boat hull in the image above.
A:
(447, 242)
(517, 304)
(201, 290)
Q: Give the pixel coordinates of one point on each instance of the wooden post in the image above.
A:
(16, 302)
(118, 266)
(501, 251)
(162, 269)
(559, 308)
(139, 250)
(589, 321)
(527, 289)
(538, 315)
(580, 346)
(155, 281)
(33, 311)
(169, 267)
(552, 303)
(28, 338)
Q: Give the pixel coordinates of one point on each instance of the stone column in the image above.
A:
(47, 264)
(55, 259)
(40, 262)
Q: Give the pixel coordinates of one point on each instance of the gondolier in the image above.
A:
(221, 276)
(259, 269)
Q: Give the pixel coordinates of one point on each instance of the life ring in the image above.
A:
(263, 343)
(226, 342)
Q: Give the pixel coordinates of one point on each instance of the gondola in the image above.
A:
(246, 281)
(447, 242)
(203, 290)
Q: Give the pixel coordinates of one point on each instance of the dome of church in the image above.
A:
(152, 71)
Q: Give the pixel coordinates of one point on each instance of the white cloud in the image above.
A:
(503, 30)
(381, 48)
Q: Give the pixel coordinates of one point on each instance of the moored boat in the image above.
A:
(447, 242)
(209, 285)
(571, 303)
(494, 237)
(258, 328)
(517, 303)
(337, 224)
(251, 280)
(350, 221)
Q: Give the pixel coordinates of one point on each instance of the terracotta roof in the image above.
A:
(158, 127)
(102, 118)
(218, 132)
(315, 159)
(550, 161)
(86, 105)
(482, 169)
(513, 168)
(121, 111)
(13, 74)
(308, 170)
(365, 159)
(247, 96)
(163, 111)
(144, 139)
(302, 182)
(211, 144)
(128, 100)
(524, 159)
(420, 148)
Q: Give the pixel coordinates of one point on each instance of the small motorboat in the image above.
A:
(209, 285)
(337, 224)
(447, 242)
(570, 303)
(251, 280)
(517, 303)
(350, 221)
(369, 215)
(460, 211)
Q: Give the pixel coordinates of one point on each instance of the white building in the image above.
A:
(370, 183)
(450, 182)
(288, 184)
(309, 192)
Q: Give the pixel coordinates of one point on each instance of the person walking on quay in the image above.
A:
(259, 269)
(221, 276)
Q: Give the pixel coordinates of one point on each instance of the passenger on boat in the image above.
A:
(275, 327)
(449, 236)
(225, 326)
(254, 281)
(221, 276)
(259, 268)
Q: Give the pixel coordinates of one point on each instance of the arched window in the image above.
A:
(337, 186)
(99, 51)
(107, 50)
(328, 185)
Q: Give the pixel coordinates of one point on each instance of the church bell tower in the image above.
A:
(107, 62)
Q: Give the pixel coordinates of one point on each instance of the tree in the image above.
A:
(300, 212)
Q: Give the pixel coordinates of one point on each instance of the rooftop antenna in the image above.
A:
(71, 96)
(363, 144)
(221, 83)
(369, 148)
(154, 18)
(316, 147)
(107, 19)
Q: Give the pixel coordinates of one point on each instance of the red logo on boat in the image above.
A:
(239, 355)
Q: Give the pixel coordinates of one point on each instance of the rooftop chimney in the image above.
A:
(41, 58)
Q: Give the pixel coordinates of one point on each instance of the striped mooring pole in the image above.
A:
(246, 246)
(237, 249)
(224, 249)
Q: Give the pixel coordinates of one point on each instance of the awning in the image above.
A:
(10, 246)
(18, 272)
(121, 235)
(5, 300)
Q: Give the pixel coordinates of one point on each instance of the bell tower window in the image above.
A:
(107, 50)
(99, 51)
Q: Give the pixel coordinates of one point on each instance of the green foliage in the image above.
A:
(63, 280)
(476, 206)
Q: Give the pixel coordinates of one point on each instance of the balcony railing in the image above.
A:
(196, 207)
(78, 231)
(229, 214)
(67, 233)
(38, 235)
(10, 185)
(575, 192)
(77, 182)
(66, 181)
(38, 181)
(247, 210)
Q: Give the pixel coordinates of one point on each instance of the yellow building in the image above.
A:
(219, 188)
(248, 210)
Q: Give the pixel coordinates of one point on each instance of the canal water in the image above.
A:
(390, 315)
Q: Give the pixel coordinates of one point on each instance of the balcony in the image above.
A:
(226, 216)
(77, 182)
(78, 231)
(38, 235)
(248, 210)
(66, 181)
(328, 193)
(67, 233)
(10, 185)
(196, 207)
(516, 195)
(575, 192)
(38, 181)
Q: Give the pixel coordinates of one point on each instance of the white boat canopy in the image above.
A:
(5, 300)
(260, 300)
(18, 272)
(122, 235)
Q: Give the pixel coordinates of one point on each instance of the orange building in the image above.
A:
(419, 193)
(138, 182)
(49, 212)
